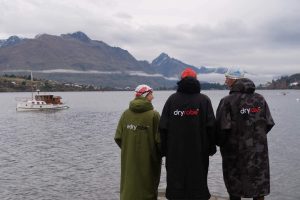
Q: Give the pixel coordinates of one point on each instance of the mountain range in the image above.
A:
(74, 57)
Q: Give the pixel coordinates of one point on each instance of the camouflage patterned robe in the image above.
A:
(243, 121)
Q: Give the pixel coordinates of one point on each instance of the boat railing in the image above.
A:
(23, 99)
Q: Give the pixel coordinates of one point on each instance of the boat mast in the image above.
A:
(31, 85)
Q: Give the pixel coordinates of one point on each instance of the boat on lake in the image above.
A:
(40, 102)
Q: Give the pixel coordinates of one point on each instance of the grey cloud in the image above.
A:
(285, 32)
(272, 43)
(122, 15)
(258, 48)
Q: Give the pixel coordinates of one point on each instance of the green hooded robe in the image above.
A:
(138, 137)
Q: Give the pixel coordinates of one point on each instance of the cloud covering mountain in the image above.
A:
(77, 58)
(260, 36)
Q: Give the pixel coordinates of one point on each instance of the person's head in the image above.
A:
(232, 75)
(188, 72)
(144, 91)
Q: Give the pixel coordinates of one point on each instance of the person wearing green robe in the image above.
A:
(138, 137)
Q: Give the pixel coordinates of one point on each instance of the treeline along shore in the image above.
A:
(14, 83)
(17, 83)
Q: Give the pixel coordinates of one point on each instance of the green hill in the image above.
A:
(12, 83)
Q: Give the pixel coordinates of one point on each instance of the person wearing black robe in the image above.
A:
(187, 139)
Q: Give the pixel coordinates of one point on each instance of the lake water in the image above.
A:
(71, 154)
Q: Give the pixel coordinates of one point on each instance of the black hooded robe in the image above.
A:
(243, 121)
(187, 138)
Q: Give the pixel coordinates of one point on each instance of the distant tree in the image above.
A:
(162, 88)
(28, 77)
(210, 86)
(91, 87)
(48, 85)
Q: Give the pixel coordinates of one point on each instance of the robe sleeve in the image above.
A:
(118, 134)
(223, 120)
(210, 129)
(156, 119)
(269, 119)
(223, 116)
(163, 128)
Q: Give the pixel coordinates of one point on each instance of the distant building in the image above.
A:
(127, 88)
(294, 84)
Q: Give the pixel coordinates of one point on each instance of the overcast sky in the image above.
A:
(260, 36)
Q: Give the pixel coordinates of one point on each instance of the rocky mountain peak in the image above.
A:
(80, 36)
(12, 40)
(77, 52)
(161, 59)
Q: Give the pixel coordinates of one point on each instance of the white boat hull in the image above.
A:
(25, 106)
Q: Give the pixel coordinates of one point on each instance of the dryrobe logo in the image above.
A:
(136, 127)
(188, 112)
(131, 127)
(250, 110)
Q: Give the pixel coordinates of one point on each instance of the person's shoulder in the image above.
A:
(172, 96)
(156, 113)
(124, 115)
(227, 97)
(125, 112)
(204, 96)
(226, 100)
(260, 97)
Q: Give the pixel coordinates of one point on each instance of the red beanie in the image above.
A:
(188, 72)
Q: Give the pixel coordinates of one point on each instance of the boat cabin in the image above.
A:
(35, 102)
(49, 99)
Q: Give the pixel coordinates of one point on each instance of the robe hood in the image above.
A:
(140, 104)
(243, 85)
(189, 85)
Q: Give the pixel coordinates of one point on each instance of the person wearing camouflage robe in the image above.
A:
(243, 121)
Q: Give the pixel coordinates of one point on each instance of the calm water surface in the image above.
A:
(71, 154)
